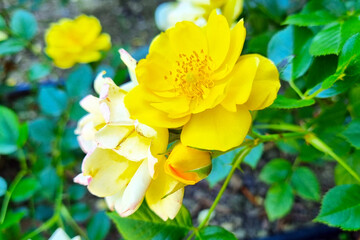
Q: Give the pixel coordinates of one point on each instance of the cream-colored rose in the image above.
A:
(123, 161)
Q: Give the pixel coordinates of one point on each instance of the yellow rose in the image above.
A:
(169, 13)
(195, 78)
(188, 165)
(76, 41)
(123, 161)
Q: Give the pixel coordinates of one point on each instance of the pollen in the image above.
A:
(192, 74)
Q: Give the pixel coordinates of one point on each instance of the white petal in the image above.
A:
(83, 180)
(59, 234)
(135, 191)
(130, 62)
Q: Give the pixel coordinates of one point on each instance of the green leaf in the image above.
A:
(336, 7)
(3, 186)
(327, 41)
(291, 42)
(11, 45)
(290, 146)
(316, 18)
(258, 44)
(214, 233)
(41, 130)
(80, 212)
(337, 88)
(38, 71)
(278, 201)
(332, 37)
(305, 183)
(2, 23)
(25, 189)
(79, 82)
(344, 177)
(76, 192)
(145, 225)
(70, 141)
(350, 58)
(221, 166)
(49, 182)
(23, 134)
(277, 170)
(327, 64)
(283, 102)
(254, 156)
(99, 226)
(352, 133)
(52, 101)
(12, 218)
(76, 111)
(354, 100)
(341, 207)
(23, 24)
(9, 131)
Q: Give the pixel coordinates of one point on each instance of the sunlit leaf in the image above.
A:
(341, 207)
(145, 224)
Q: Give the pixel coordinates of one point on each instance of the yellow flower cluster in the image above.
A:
(169, 13)
(76, 41)
(193, 80)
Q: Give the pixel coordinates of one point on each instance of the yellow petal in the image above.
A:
(237, 39)
(232, 9)
(188, 165)
(169, 206)
(178, 106)
(86, 29)
(140, 109)
(110, 136)
(161, 46)
(240, 82)
(217, 129)
(218, 36)
(215, 96)
(109, 172)
(265, 86)
(157, 149)
(153, 72)
(102, 42)
(193, 40)
(64, 62)
(88, 56)
(135, 147)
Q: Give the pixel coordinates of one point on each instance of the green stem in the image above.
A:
(45, 226)
(22, 159)
(314, 94)
(296, 89)
(280, 127)
(226, 182)
(8, 194)
(323, 147)
(68, 218)
(280, 136)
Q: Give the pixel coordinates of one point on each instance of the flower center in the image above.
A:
(192, 74)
